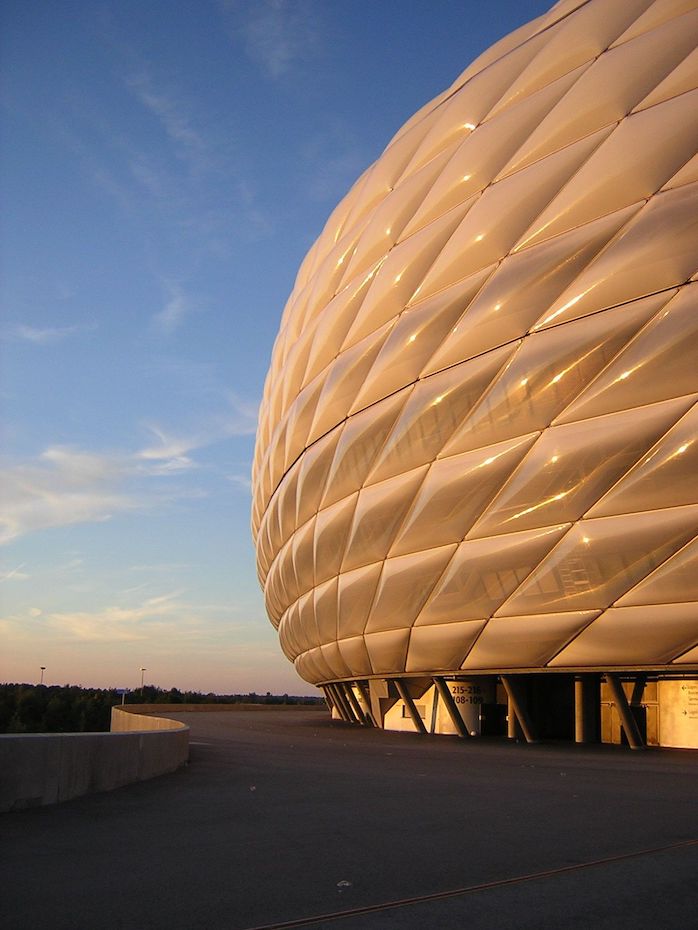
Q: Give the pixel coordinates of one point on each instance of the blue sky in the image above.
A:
(166, 166)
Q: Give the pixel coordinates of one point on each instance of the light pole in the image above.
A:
(43, 669)
(143, 671)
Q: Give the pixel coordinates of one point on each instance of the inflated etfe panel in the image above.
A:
(477, 445)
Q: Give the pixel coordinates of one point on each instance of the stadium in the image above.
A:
(475, 497)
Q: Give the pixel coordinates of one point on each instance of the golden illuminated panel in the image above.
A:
(477, 444)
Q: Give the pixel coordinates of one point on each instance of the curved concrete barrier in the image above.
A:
(45, 768)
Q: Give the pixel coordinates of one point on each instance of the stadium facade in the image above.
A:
(475, 480)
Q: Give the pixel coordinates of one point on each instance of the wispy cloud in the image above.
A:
(44, 335)
(119, 623)
(177, 308)
(14, 574)
(240, 417)
(173, 116)
(65, 485)
(62, 487)
(171, 451)
(241, 481)
(145, 620)
(276, 34)
(168, 455)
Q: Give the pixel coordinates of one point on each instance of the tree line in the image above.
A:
(28, 708)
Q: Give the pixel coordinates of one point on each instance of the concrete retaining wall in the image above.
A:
(44, 768)
(213, 708)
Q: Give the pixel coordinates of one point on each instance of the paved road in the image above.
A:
(282, 817)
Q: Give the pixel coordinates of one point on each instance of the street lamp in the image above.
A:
(43, 669)
(143, 671)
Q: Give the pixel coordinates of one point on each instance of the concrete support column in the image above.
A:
(517, 703)
(628, 722)
(514, 730)
(409, 703)
(587, 708)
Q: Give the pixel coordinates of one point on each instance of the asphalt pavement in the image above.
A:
(285, 819)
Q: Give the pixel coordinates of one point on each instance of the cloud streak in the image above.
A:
(45, 335)
(276, 34)
(169, 110)
(177, 308)
(120, 623)
(64, 485)
(61, 487)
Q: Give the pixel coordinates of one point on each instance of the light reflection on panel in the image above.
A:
(400, 274)
(630, 165)
(666, 477)
(481, 238)
(484, 572)
(661, 362)
(655, 252)
(674, 581)
(632, 69)
(405, 584)
(343, 382)
(435, 409)
(547, 371)
(455, 492)
(391, 217)
(477, 160)
(360, 445)
(314, 468)
(415, 338)
(459, 116)
(578, 39)
(599, 560)
(379, 513)
(570, 467)
(478, 438)
(510, 302)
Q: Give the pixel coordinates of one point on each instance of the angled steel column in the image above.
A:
(335, 701)
(450, 704)
(628, 722)
(434, 710)
(368, 713)
(517, 702)
(355, 706)
(341, 704)
(328, 697)
(342, 689)
(407, 698)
